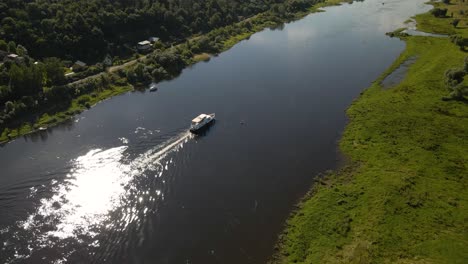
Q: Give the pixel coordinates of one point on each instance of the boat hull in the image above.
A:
(202, 128)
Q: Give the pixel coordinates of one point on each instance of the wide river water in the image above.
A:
(126, 183)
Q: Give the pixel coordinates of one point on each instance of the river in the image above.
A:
(125, 183)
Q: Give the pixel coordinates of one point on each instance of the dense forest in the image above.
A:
(88, 30)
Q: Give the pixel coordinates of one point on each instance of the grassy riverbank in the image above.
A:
(403, 197)
(455, 10)
(57, 116)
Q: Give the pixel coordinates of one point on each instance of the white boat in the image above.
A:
(200, 122)
(153, 87)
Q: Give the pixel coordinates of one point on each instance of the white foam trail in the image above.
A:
(165, 150)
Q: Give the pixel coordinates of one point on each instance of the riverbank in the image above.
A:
(222, 38)
(77, 106)
(402, 198)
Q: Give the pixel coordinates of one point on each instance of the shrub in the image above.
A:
(454, 76)
(439, 12)
(459, 41)
(84, 99)
(457, 92)
(455, 22)
(52, 120)
(159, 74)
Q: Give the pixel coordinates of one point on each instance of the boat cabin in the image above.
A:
(199, 118)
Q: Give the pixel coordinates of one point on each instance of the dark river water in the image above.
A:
(126, 183)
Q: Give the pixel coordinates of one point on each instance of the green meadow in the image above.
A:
(403, 196)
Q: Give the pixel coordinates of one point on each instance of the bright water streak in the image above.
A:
(97, 183)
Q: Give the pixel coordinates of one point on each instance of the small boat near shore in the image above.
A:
(201, 122)
(153, 87)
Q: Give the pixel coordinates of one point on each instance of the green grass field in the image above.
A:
(455, 10)
(403, 196)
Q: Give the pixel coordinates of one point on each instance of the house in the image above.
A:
(14, 57)
(153, 39)
(78, 65)
(144, 46)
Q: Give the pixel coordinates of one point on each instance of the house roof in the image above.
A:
(144, 43)
(12, 56)
(80, 63)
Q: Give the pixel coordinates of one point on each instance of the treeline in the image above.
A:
(89, 30)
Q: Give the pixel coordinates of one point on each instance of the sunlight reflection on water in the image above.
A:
(98, 183)
(89, 190)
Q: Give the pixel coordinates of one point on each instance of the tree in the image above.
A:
(454, 82)
(107, 62)
(297, 5)
(139, 74)
(465, 65)
(21, 50)
(171, 61)
(454, 76)
(455, 22)
(3, 45)
(55, 71)
(215, 20)
(159, 74)
(131, 76)
(59, 94)
(26, 80)
(439, 12)
(459, 41)
(457, 92)
(9, 26)
(5, 92)
(12, 47)
(105, 82)
(9, 107)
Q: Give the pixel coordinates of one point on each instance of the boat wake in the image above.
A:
(104, 189)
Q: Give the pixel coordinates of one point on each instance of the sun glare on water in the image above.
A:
(97, 184)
